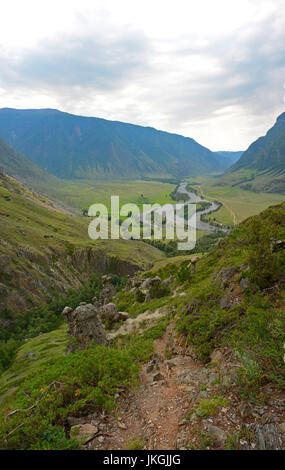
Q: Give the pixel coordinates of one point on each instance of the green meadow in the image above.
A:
(238, 204)
(80, 194)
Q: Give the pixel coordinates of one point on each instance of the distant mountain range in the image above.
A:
(71, 146)
(232, 157)
(262, 165)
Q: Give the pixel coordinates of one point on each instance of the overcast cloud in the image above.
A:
(213, 70)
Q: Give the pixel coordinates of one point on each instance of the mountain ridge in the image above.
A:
(262, 166)
(71, 146)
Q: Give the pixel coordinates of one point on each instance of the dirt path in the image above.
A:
(153, 415)
(160, 414)
(229, 208)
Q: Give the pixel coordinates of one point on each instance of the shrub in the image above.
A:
(264, 265)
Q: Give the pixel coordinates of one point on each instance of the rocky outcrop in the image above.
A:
(29, 277)
(262, 437)
(147, 289)
(84, 327)
(109, 311)
(108, 291)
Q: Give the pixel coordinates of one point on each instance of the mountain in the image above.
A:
(262, 165)
(71, 146)
(22, 168)
(229, 157)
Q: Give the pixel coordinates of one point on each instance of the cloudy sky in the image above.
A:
(213, 70)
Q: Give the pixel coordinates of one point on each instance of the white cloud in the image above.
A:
(211, 70)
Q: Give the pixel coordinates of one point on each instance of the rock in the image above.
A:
(74, 421)
(85, 431)
(145, 284)
(108, 291)
(167, 282)
(225, 274)
(216, 356)
(158, 376)
(110, 337)
(281, 427)
(121, 425)
(217, 433)
(268, 418)
(122, 316)
(245, 410)
(149, 368)
(225, 302)
(264, 437)
(277, 245)
(84, 326)
(66, 310)
(101, 439)
(106, 279)
(136, 282)
(245, 285)
(110, 310)
(155, 280)
(193, 265)
(30, 354)
(171, 363)
(152, 366)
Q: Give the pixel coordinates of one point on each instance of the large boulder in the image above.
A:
(110, 310)
(84, 327)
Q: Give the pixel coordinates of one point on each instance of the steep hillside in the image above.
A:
(22, 168)
(72, 146)
(211, 368)
(262, 165)
(44, 250)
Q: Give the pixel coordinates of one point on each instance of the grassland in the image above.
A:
(238, 204)
(32, 222)
(80, 194)
(36, 352)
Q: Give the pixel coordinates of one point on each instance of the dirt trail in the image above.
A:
(153, 414)
(160, 414)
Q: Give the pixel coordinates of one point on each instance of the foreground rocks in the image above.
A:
(84, 327)
(85, 323)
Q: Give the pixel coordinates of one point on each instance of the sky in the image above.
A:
(213, 70)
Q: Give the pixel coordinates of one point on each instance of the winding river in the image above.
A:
(194, 199)
(167, 209)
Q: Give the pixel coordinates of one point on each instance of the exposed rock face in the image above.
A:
(217, 433)
(84, 327)
(226, 273)
(83, 431)
(30, 276)
(108, 291)
(263, 437)
(110, 310)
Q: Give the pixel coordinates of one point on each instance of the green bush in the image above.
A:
(264, 265)
(73, 386)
